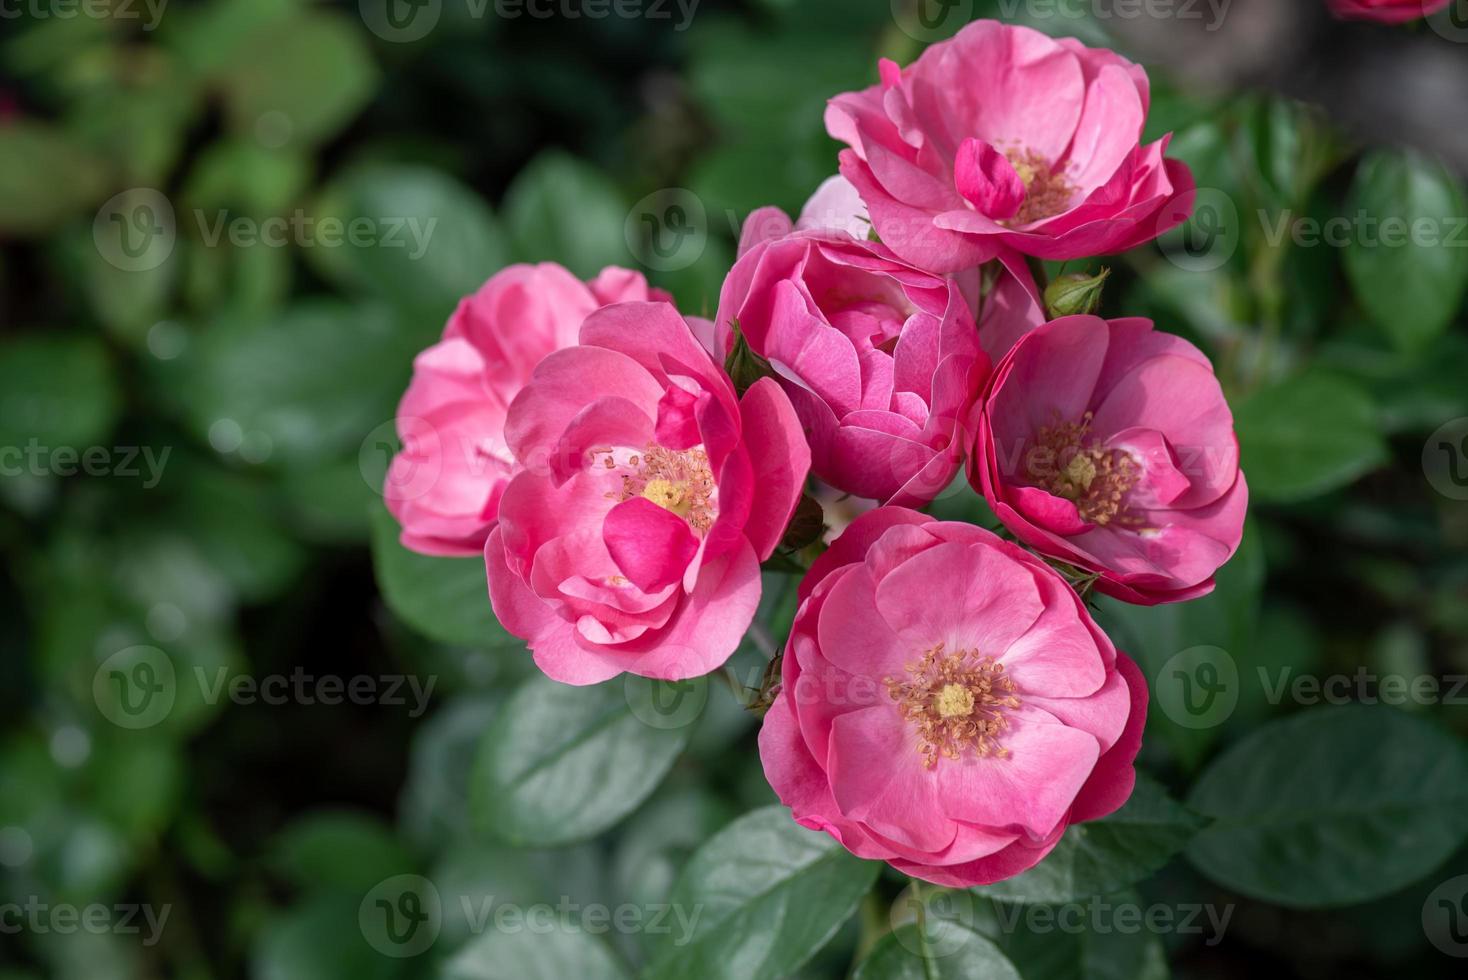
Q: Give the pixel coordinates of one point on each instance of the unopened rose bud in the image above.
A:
(1075, 293)
(743, 365)
(807, 525)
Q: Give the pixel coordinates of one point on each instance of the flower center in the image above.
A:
(956, 701)
(1068, 462)
(679, 481)
(1047, 192)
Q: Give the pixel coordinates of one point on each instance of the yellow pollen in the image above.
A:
(679, 481)
(1077, 476)
(1047, 192)
(956, 703)
(668, 495)
(1067, 461)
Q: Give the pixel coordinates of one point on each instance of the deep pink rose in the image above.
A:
(444, 486)
(631, 538)
(880, 358)
(1386, 11)
(1109, 445)
(1002, 136)
(947, 705)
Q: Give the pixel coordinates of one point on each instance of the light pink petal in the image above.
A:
(967, 597)
(987, 180)
(1033, 787)
(781, 460)
(562, 385)
(652, 546)
(1111, 783)
(854, 542)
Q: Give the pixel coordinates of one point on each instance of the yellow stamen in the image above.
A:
(1070, 463)
(956, 702)
(668, 495)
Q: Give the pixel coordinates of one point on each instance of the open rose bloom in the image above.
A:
(1386, 11)
(880, 358)
(947, 704)
(1004, 137)
(444, 486)
(1109, 446)
(632, 537)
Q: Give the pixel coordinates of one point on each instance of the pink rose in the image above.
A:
(1109, 446)
(880, 358)
(946, 703)
(1002, 136)
(1386, 11)
(631, 538)
(444, 486)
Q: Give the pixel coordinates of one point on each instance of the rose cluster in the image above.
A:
(945, 701)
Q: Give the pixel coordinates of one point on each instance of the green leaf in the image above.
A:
(771, 893)
(303, 385)
(127, 301)
(563, 763)
(297, 944)
(298, 79)
(1332, 807)
(338, 849)
(46, 179)
(561, 953)
(1408, 262)
(665, 834)
(426, 241)
(560, 209)
(1307, 436)
(937, 949)
(243, 176)
(1180, 635)
(56, 390)
(445, 599)
(1108, 938)
(1107, 855)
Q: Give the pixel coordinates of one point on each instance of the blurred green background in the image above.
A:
(226, 229)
